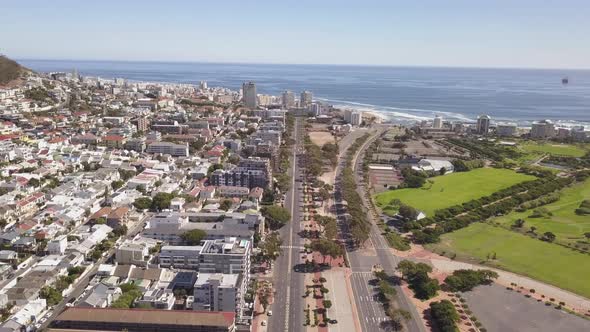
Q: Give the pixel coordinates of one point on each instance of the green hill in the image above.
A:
(10, 70)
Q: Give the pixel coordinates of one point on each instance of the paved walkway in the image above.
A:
(342, 301)
(506, 278)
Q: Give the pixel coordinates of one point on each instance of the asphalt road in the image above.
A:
(371, 313)
(288, 302)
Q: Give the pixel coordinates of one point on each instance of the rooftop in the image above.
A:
(148, 317)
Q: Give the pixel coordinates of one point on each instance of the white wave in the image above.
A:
(392, 112)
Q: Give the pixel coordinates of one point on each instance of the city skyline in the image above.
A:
(499, 34)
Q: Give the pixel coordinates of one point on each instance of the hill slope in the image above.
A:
(10, 70)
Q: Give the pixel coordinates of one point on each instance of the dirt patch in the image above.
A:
(321, 137)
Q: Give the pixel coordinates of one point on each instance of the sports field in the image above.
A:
(521, 254)
(456, 188)
(564, 223)
(554, 149)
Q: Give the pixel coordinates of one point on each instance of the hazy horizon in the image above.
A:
(293, 64)
(431, 33)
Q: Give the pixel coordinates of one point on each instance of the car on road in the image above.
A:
(269, 313)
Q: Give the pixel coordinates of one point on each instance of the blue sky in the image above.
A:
(500, 33)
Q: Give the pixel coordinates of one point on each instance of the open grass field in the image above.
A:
(564, 223)
(553, 148)
(452, 189)
(521, 254)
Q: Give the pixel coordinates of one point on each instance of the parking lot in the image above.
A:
(502, 310)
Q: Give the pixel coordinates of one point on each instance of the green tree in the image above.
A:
(117, 184)
(276, 216)
(126, 174)
(225, 205)
(409, 268)
(51, 295)
(444, 315)
(408, 212)
(142, 203)
(549, 236)
(518, 223)
(193, 237)
(162, 201)
(271, 247)
(327, 248)
(466, 280)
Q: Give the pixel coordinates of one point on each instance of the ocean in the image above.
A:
(401, 94)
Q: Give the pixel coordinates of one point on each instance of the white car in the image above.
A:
(263, 323)
(269, 313)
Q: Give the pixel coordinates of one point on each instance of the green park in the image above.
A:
(559, 217)
(552, 148)
(451, 189)
(519, 253)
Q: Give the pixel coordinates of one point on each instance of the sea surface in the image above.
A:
(401, 94)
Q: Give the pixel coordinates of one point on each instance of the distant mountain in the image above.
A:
(10, 70)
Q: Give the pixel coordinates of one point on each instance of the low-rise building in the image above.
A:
(132, 253)
(137, 320)
(175, 150)
(58, 245)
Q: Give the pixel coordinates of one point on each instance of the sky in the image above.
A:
(464, 33)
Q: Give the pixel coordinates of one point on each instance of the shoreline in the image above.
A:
(385, 114)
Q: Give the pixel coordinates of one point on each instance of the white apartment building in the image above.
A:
(437, 123)
(543, 129)
(229, 255)
(175, 150)
(356, 118)
(306, 98)
(506, 129)
(219, 292)
(288, 99)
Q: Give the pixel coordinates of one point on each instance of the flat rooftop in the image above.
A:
(148, 316)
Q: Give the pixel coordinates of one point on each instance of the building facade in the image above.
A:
(483, 124)
(175, 150)
(249, 95)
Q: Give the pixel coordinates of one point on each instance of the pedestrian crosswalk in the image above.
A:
(371, 312)
(292, 247)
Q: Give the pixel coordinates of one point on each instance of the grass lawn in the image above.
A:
(565, 223)
(553, 149)
(452, 189)
(521, 254)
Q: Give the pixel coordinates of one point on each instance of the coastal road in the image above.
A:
(377, 251)
(288, 302)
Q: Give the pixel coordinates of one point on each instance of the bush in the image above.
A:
(444, 316)
(466, 280)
